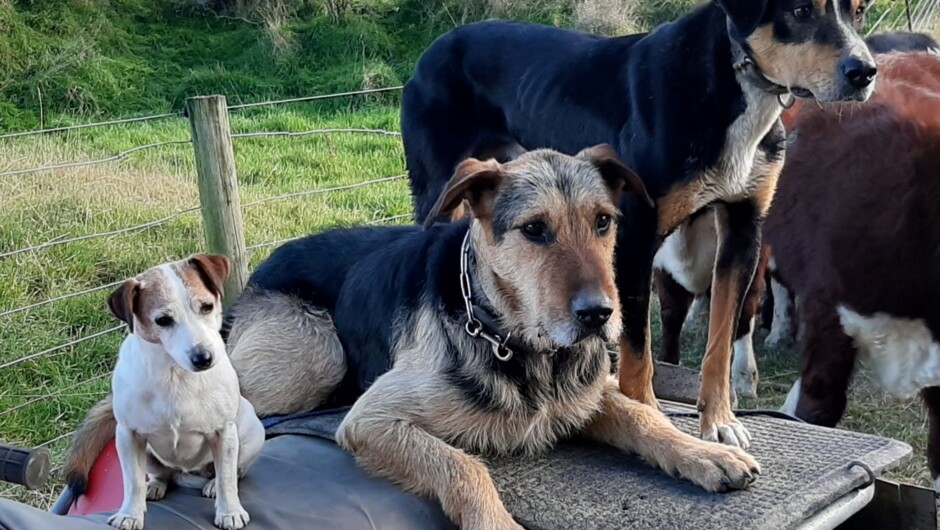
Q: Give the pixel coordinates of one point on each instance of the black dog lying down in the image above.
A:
(485, 336)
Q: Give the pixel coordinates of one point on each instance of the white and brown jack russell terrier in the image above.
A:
(176, 407)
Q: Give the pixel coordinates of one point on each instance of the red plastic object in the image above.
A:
(105, 486)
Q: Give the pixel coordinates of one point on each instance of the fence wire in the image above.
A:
(313, 98)
(60, 347)
(120, 156)
(12, 312)
(383, 220)
(90, 125)
(275, 134)
(112, 233)
(51, 395)
(321, 191)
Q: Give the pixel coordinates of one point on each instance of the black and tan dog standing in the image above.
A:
(487, 336)
(693, 107)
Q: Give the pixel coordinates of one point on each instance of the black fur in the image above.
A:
(372, 279)
(901, 41)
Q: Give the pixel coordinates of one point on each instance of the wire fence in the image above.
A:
(23, 402)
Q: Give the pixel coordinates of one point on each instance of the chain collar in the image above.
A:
(479, 323)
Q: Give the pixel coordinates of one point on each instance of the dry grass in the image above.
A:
(607, 17)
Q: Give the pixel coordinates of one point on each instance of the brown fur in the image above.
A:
(676, 206)
(855, 224)
(95, 432)
(415, 426)
(807, 64)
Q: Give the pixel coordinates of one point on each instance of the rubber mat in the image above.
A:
(582, 485)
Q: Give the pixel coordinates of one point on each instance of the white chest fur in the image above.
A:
(688, 254)
(174, 410)
(739, 171)
(902, 352)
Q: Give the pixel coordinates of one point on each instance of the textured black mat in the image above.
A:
(588, 486)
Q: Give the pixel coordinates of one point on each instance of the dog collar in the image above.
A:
(745, 66)
(481, 324)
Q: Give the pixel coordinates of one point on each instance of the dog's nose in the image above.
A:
(858, 73)
(592, 309)
(201, 358)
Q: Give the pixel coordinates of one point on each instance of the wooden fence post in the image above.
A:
(218, 186)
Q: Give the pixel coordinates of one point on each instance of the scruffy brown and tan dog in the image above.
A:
(486, 336)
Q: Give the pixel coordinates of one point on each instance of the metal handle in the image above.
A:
(26, 467)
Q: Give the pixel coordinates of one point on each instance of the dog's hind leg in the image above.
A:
(158, 478)
(674, 303)
(390, 442)
(744, 376)
(635, 428)
(286, 353)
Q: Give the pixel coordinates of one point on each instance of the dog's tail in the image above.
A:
(89, 440)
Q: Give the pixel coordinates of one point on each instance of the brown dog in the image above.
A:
(487, 336)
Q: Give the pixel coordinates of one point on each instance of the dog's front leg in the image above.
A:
(636, 428)
(387, 442)
(229, 513)
(132, 453)
(634, 275)
(738, 250)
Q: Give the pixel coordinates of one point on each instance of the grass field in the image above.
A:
(146, 60)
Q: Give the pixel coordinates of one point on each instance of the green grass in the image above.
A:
(81, 61)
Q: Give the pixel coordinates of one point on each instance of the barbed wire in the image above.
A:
(112, 233)
(60, 298)
(271, 134)
(90, 125)
(120, 156)
(54, 349)
(56, 393)
(321, 191)
(313, 98)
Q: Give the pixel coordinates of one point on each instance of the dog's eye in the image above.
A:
(206, 308)
(536, 231)
(603, 224)
(802, 12)
(165, 321)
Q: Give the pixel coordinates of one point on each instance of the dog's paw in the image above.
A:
(126, 521)
(232, 519)
(717, 468)
(156, 489)
(724, 428)
(208, 490)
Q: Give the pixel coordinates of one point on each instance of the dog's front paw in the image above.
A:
(721, 426)
(232, 519)
(126, 521)
(716, 467)
(208, 491)
(156, 489)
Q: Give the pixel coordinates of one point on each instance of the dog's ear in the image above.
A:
(213, 269)
(745, 15)
(122, 302)
(476, 182)
(616, 174)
